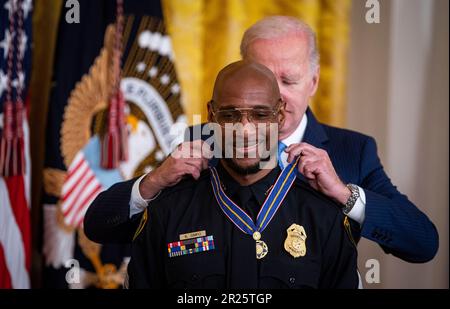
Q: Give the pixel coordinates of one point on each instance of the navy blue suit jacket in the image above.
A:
(391, 220)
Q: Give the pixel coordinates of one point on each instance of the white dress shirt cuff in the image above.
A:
(137, 202)
(359, 209)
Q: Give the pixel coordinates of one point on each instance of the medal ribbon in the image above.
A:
(270, 206)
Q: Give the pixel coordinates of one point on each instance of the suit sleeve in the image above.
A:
(146, 267)
(107, 218)
(339, 269)
(391, 219)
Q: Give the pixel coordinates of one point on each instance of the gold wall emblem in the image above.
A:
(295, 242)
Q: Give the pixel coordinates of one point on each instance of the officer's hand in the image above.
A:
(189, 158)
(316, 166)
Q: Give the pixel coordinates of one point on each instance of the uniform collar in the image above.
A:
(259, 189)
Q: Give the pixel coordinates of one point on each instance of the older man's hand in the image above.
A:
(189, 158)
(316, 166)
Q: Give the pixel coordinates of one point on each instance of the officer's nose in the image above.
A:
(245, 121)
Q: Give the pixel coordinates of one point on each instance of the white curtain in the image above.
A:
(398, 93)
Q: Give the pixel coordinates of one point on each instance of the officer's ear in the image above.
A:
(210, 111)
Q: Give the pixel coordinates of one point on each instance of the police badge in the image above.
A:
(295, 242)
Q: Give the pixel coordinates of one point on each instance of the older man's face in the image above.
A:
(288, 59)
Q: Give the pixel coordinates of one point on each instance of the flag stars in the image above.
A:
(165, 79)
(3, 82)
(153, 72)
(26, 6)
(19, 81)
(175, 89)
(140, 67)
(9, 5)
(5, 43)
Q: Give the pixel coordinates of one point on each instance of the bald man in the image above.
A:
(243, 223)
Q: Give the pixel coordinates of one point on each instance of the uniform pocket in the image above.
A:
(285, 274)
(199, 270)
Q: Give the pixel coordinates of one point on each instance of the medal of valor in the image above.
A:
(295, 242)
(261, 246)
(270, 206)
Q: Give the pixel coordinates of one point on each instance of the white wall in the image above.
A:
(398, 93)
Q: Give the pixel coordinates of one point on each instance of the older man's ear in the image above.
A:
(314, 82)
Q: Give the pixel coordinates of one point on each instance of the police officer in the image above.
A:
(240, 225)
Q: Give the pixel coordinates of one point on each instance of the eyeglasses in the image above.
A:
(254, 115)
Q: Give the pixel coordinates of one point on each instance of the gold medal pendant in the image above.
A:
(261, 246)
(261, 249)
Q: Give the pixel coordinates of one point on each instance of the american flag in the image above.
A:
(80, 188)
(15, 230)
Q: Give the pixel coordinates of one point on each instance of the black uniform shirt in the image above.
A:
(190, 206)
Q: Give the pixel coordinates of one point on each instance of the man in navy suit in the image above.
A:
(341, 164)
